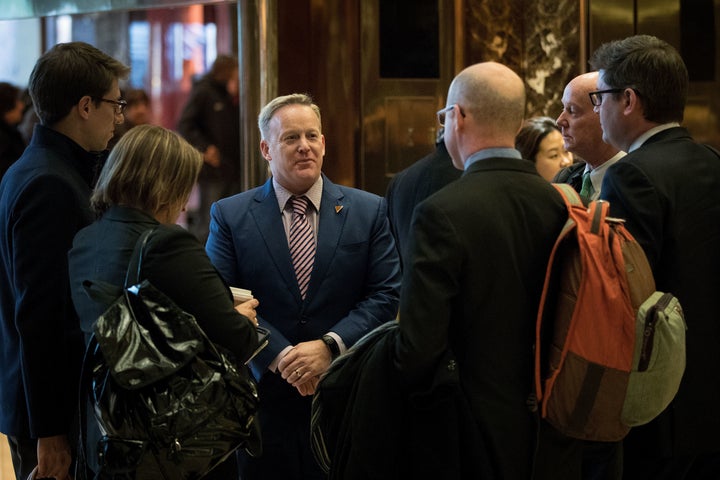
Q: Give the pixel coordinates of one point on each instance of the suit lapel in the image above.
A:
(575, 178)
(332, 216)
(266, 213)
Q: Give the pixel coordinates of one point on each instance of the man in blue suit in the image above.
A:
(353, 286)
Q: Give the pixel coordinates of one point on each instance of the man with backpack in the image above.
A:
(666, 189)
(582, 135)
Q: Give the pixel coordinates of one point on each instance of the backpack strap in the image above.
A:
(135, 265)
(569, 194)
(598, 209)
(572, 200)
(598, 212)
(106, 293)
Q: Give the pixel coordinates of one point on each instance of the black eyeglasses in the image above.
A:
(597, 96)
(441, 113)
(119, 104)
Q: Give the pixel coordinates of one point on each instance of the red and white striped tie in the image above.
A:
(302, 243)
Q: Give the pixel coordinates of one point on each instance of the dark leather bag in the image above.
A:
(167, 399)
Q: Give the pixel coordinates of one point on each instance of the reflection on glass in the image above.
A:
(167, 49)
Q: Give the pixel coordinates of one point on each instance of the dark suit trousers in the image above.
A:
(285, 426)
(697, 467)
(562, 457)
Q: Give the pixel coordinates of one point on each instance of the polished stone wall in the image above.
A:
(539, 39)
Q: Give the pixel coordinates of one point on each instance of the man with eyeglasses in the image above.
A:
(474, 272)
(44, 201)
(667, 189)
(582, 135)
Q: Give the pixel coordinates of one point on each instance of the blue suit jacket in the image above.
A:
(355, 282)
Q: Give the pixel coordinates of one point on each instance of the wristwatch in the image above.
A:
(332, 345)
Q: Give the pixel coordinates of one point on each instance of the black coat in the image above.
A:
(476, 266)
(668, 191)
(44, 201)
(413, 185)
(571, 175)
(376, 425)
(175, 263)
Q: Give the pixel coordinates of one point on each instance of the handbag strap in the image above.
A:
(132, 276)
(106, 293)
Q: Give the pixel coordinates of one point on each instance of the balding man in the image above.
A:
(582, 135)
(475, 267)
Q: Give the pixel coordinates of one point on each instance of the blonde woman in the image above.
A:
(145, 184)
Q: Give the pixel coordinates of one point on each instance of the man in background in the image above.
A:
(137, 112)
(11, 112)
(210, 121)
(412, 185)
(667, 190)
(44, 201)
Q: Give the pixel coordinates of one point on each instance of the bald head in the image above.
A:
(493, 93)
(580, 124)
(585, 83)
(491, 103)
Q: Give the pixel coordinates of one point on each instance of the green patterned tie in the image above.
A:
(587, 189)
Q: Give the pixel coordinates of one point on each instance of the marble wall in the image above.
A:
(539, 39)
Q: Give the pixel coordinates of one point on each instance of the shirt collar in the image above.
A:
(314, 193)
(492, 153)
(596, 174)
(597, 171)
(643, 138)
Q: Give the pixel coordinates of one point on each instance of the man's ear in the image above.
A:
(632, 100)
(84, 106)
(265, 150)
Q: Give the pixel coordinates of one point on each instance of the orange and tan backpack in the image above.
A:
(610, 350)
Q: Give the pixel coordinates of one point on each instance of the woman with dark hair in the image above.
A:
(12, 144)
(540, 140)
(145, 184)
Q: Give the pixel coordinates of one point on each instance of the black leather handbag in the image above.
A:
(167, 399)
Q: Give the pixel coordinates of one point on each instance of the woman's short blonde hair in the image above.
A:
(150, 168)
